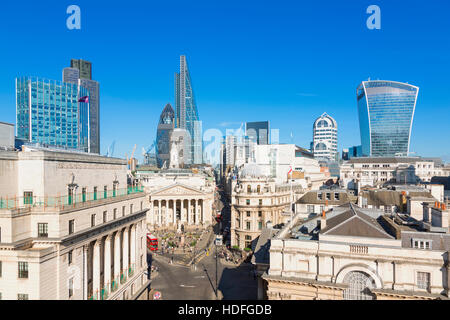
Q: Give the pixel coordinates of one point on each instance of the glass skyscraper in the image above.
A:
(386, 112)
(48, 112)
(186, 113)
(258, 132)
(165, 129)
(80, 73)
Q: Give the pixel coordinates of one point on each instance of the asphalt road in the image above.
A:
(184, 283)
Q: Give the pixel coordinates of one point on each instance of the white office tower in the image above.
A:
(324, 144)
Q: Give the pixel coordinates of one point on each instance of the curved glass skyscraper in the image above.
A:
(165, 129)
(386, 112)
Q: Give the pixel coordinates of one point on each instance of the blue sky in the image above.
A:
(283, 61)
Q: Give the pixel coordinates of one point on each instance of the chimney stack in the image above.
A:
(323, 221)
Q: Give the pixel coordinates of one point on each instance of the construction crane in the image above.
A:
(129, 160)
(110, 151)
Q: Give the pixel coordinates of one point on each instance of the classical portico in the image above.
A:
(110, 261)
(179, 205)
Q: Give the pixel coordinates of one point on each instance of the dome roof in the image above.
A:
(251, 170)
(325, 121)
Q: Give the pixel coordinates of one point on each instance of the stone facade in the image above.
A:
(364, 262)
(70, 227)
(179, 199)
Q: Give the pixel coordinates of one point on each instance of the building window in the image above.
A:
(248, 202)
(95, 193)
(23, 270)
(248, 225)
(83, 194)
(71, 226)
(387, 209)
(70, 257)
(260, 202)
(259, 225)
(131, 208)
(22, 296)
(248, 213)
(105, 192)
(42, 230)
(336, 196)
(249, 189)
(319, 196)
(328, 196)
(0, 269)
(123, 211)
(142, 261)
(28, 198)
(421, 244)
(142, 205)
(105, 216)
(259, 214)
(70, 287)
(310, 208)
(114, 214)
(423, 280)
(92, 220)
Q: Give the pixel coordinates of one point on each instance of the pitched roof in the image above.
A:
(355, 223)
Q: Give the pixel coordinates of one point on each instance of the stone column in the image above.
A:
(159, 214)
(133, 246)
(182, 211)
(197, 218)
(151, 219)
(117, 256)
(125, 251)
(85, 274)
(167, 212)
(107, 264)
(96, 270)
(189, 212)
(174, 212)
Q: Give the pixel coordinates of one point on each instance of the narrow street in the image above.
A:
(177, 282)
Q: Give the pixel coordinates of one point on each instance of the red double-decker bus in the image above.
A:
(152, 242)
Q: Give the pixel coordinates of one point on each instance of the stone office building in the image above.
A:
(70, 227)
(360, 254)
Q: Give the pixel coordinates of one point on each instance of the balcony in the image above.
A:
(67, 202)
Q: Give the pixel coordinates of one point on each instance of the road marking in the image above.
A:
(199, 277)
(182, 285)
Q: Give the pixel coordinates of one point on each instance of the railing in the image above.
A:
(131, 270)
(123, 277)
(65, 201)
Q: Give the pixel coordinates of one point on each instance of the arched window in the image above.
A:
(359, 285)
(322, 123)
(249, 188)
(258, 189)
(321, 146)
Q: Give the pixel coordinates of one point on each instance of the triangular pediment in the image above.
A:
(177, 189)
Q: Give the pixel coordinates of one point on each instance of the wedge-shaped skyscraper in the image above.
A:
(386, 112)
(186, 113)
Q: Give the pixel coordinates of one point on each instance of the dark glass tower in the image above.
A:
(386, 112)
(258, 132)
(165, 129)
(80, 73)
